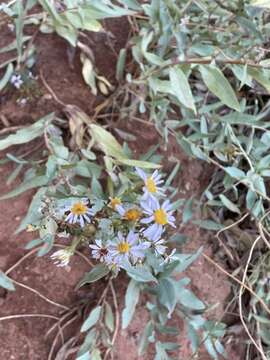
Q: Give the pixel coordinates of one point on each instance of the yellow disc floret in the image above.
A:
(114, 202)
(132, 214)
(79, 209)
(123, 247)
(150, 185)
(160, 217)
(30, 228)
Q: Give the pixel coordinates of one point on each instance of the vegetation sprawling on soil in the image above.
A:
(139, 133)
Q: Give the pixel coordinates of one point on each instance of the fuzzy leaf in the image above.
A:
(5, 79)
(188, 299)
(109, 317)
(229, 205)
(5, 282)
(131, 300)
(27, 134)
(36, 181)
(138, 163)
(219, 85)
(235, 172)
(98, 272)
(166, 294)
(181, 88)
(92, 319)
(107, 142)
(140, 273)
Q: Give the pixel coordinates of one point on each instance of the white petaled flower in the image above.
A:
(159, 247)
(79, 212)
(170, 257)
(151, 184)
(3, 6)
(185, 20)
(127, 247)
(62, 257)
(157, 244)
(99, 252)
(130, 214)
(158, 215)
(16, 80)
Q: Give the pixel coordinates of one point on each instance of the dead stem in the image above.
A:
(51, 90)
(4, 120)
(260, 300)
(228, 252)
(19, 316)
(117, 319)
(240, 300)
(60, 331)
(12, 128)
(60, 320)
(40, 295)
(13, 267)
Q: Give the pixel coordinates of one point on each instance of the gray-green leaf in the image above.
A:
(181, 88)
(95, 274)
(131, 300)
(219, 85)
(25, 135)
(5, 282)
(92, 319)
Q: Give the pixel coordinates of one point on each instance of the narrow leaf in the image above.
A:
(131, 300)
(95, 274)
(5, 282)
(219, 85)
(92, 319)
(181, 88)
(5, 79)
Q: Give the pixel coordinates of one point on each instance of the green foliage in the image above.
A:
(5, 282)
(202, 77)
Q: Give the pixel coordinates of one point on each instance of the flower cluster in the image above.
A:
(133, 230)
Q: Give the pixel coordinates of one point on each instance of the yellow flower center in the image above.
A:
(79, 209)
(114, 202)
(30, 228)
(123, 247)
(132, 215)
(150, 185)
(160, 217)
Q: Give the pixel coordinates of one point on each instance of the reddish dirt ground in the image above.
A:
(25, 338)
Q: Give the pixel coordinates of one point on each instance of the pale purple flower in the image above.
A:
(151, 184)
(16, 80)
(158, 216)
(99, 252)
(79, 212)
(126, 248)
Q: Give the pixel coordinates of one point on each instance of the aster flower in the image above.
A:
(61, 257)
(170, 257)
(159, 247)
(125, 248)
(16, 80)
(79, 212)
(158, 215)
(114, 202)
(151, 184)
(99, 252)
(131, 214)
